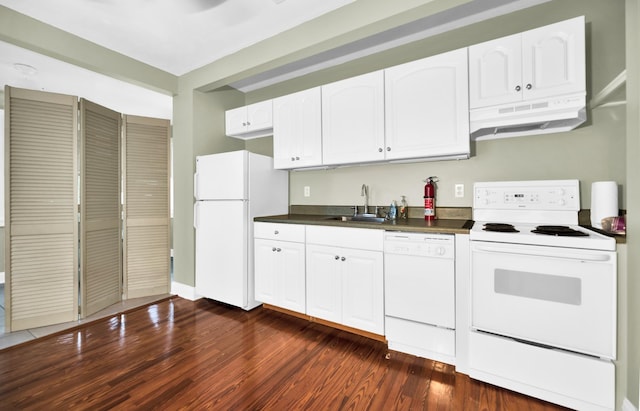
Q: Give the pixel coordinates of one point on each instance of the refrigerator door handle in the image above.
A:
(195, 215)
(195, 185)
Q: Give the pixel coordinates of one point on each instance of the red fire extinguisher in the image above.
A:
(430, 198)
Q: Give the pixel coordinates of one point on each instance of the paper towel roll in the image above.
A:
(604, 201)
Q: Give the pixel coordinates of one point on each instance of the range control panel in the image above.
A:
(544, 195)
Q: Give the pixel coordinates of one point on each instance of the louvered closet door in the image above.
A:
(100, 217)
(146, 204)
(41, 232)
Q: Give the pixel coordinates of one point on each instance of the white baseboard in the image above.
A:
(185, 291)
(628, 406)
(2, 277)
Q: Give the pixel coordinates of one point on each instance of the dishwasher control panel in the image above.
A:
(426, 245)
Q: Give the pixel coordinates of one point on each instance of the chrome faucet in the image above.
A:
(364, 192)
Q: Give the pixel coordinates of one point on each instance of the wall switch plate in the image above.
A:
(307, 191)
(459, 190)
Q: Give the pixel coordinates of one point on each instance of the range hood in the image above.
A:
(552, 115)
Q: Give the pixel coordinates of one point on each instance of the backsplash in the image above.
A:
(445, 213)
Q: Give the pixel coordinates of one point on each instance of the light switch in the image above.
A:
(307, 191)
(459, 190)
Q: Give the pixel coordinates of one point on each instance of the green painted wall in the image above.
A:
(1, 248)
(633, 201)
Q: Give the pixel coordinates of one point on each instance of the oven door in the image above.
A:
(560, 297)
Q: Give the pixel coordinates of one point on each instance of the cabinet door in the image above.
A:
(353, 120)
(236, 121)
(292, 276)
(362, 290)
(324, 287)
(279, 274)
(427, 109)
(297, 130)
(495, 72)
(554, 59)
(266, 270)
(259, 116)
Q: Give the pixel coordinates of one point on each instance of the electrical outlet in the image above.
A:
(459, 190)
(307, 191)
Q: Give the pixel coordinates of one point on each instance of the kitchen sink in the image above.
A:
(359, 219)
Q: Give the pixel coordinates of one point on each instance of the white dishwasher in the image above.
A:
(419, 283)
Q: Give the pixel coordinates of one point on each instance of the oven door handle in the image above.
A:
(537, 253)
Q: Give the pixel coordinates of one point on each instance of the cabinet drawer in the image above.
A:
(276, 231)
(360, 238)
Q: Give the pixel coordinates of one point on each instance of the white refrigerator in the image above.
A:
(231, 189)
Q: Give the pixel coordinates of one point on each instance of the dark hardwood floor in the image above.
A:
(184, 355)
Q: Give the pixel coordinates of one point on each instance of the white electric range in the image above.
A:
(543, 295)
(526, 205)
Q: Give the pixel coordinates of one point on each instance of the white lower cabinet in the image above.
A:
(345, 284)
(280, 265)
(324, 281)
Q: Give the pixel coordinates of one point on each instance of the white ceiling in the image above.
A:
(176, 36)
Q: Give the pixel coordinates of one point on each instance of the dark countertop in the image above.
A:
(416, 225)
(453, 220)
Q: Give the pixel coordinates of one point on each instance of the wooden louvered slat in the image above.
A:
(146, 193)
(100, 245)
(41, 236)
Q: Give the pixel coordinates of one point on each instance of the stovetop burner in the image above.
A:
(559, 230)
(500, 227)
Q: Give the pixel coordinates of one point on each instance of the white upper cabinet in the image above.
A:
(426, 107)
(353, 120)
(539, 63)
(297, 130)
(553, 59)
(252, 121)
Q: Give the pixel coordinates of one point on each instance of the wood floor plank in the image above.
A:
(185, 355)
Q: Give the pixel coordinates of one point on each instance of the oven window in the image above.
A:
(556, 288)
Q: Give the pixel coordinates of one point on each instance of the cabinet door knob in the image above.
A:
(293, 159)
(518, 88)
(297, 158)
(380, 150)
(278, 249)
(529, 86)
(248, 123)
(273, 249)
(342, 259)
(337, 257)
(388, 148)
